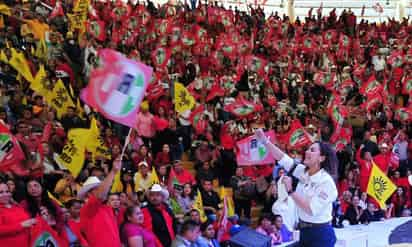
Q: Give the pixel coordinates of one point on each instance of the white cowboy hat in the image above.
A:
(143, 163)
(384, 145)
(157, 188)
(91, 183)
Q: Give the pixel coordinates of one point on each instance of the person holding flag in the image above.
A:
(315, 191)
(95, 215)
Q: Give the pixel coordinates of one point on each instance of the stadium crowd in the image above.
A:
(337, 79)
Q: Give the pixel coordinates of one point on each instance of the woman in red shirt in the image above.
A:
(163, 158)
(15, 223)
(400, 202)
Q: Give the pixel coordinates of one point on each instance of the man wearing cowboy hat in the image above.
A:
(158, 217)
(97, 220)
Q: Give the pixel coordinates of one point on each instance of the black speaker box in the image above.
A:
(250, 238)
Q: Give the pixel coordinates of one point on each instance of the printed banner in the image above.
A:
(252, 152)
(117, 87)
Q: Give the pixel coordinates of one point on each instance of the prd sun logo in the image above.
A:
(379, 187)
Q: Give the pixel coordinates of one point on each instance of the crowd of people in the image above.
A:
(339, 80)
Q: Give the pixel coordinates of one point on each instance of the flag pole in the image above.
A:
(126, 142)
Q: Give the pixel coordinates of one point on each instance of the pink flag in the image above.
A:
(251, 152)
(117, 87)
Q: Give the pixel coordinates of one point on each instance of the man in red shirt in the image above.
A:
(97, 220)
(382, 160)
(182, 175)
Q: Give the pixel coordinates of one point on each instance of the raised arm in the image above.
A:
(276, 152)
(105, 186)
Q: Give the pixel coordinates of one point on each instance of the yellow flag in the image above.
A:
(38, 85)
(4, 9)
(73, 154)
(79, 17)
(51, 196)
(230, 208)
(117, 185)
(59, 99)
(41, 49)
(20, 64)
(96, 144)
(3, 57)
(380, 187)
(198, 205)
(155, 178)
(183, 99)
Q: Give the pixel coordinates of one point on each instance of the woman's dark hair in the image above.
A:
(331, 163)
(204, 225)
(192, 193)
(45, 201)
(266, 216)
(127, 213)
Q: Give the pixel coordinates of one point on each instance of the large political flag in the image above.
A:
(252, 152)
(380, 187)
(117, 87)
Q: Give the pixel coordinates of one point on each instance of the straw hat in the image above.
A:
(91, 183)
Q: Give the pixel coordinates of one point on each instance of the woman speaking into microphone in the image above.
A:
(315, 191)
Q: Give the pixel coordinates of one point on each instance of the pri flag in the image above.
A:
(117, 87)
(380, 187)
(407, 85)
(41, 234)
(183, 99)
(97, 29)
(403, 114)
(10, 150)
(242, 108)
(297, 136)
(371, 86)
(252, 152)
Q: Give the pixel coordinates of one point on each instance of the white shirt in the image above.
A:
(287, 209)
(319, 189)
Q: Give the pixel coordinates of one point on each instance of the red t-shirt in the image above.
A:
(11, 230)
(185, 177)
(99, 224)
